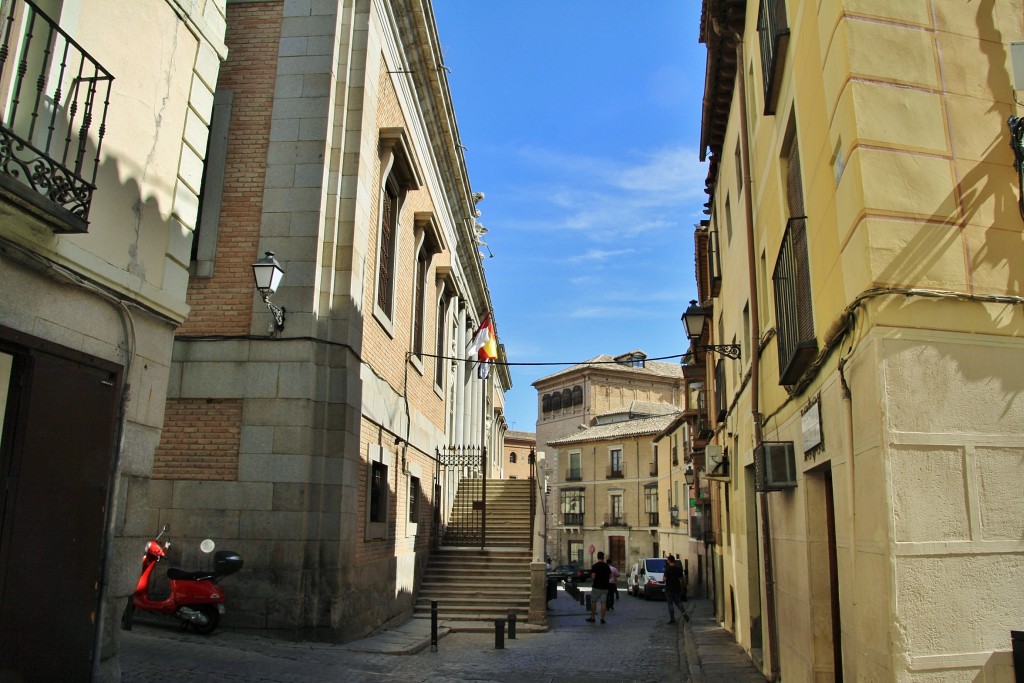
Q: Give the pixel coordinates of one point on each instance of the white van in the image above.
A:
(647, 578)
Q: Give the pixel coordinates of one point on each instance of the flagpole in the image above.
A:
(483, 445)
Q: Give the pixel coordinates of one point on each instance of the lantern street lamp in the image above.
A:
(268, 274)
(693, 321)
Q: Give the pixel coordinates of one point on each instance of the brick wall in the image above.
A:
(384, 352)
(223, 303)
(200, 440)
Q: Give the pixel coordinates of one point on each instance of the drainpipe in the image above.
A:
(755, 366)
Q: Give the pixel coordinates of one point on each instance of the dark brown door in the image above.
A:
(617, 552)
(55, 459)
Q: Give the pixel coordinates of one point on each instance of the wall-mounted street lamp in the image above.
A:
(674, 513)
(688, 475)
(693, 320)
(268, 273)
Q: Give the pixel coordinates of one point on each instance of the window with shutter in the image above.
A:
(792, 280)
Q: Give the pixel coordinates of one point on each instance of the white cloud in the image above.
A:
(600, 255)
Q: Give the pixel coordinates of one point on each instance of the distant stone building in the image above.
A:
(519, 454)
(609, 394)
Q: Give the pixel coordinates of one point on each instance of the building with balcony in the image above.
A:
(102, 148)
(625, 395)
(607, 497)
(320, 429)
(859, 283)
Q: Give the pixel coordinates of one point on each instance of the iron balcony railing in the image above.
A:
(573, 475)
(53, 109)
(572, 519)
(612, 519)
(652, 519)
(614, 472)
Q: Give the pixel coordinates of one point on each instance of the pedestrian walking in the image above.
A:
(613, 589)
(600, 574)
(674, 589)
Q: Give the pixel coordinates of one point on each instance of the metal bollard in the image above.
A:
(588, 600)
(499, 634)
(433, 625)
(511, 625)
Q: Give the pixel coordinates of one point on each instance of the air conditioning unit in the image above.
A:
(775, 466)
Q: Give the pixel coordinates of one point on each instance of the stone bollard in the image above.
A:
(433, 625)
(499, 634)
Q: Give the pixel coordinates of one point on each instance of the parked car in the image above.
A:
(563, 571)
(647, 578)
(582, 574)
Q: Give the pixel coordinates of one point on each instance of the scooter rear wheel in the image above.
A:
(212, 619)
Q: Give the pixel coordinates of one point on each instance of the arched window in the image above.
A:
(545, 403)
(512, 456)
(556, 401)
(566, 398)
(577, 395)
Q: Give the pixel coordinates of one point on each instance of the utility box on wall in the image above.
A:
(775, 466)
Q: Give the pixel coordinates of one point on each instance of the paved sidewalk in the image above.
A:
(414, 635)
(711, 651)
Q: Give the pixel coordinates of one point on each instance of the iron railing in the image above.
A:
(54, 98)
(467, 523)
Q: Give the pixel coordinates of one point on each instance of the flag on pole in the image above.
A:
(485, 341)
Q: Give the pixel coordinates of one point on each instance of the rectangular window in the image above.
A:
(414, 500)
(615, 517)
(419, 299)
(773, 32)
(378, 493)
(651, 504)
(728, 221)
(439, 361)
(615, 462)
(572, 507)
(576, 552)
(575, 472)
(792, 280)
(386, 250)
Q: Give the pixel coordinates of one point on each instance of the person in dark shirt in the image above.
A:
(601, 574)
(674, 589)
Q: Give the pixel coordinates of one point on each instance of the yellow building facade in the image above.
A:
(863, 253)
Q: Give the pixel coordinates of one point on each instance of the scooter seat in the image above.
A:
(176, 574)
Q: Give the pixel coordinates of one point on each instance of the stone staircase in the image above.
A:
(473, 586)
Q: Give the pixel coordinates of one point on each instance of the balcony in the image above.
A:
(572, 519)
(612, 519)
(614, 472)
(574, 475)
(54, 98)
(652, 519)
(654, 468)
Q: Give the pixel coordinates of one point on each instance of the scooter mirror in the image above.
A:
(207, 546)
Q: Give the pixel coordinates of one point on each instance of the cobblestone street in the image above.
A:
(635, 645)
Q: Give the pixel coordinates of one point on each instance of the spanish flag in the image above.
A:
(485, 341)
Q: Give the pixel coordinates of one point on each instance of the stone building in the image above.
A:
(520, 454)
(862, 251)
(595, 393)
(103, 152)
(313, 443)
(607, 495)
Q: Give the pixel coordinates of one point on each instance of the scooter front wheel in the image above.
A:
(212, 616)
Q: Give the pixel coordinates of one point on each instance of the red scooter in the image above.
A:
(195, 600)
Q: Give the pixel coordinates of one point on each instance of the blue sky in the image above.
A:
(581, 122)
